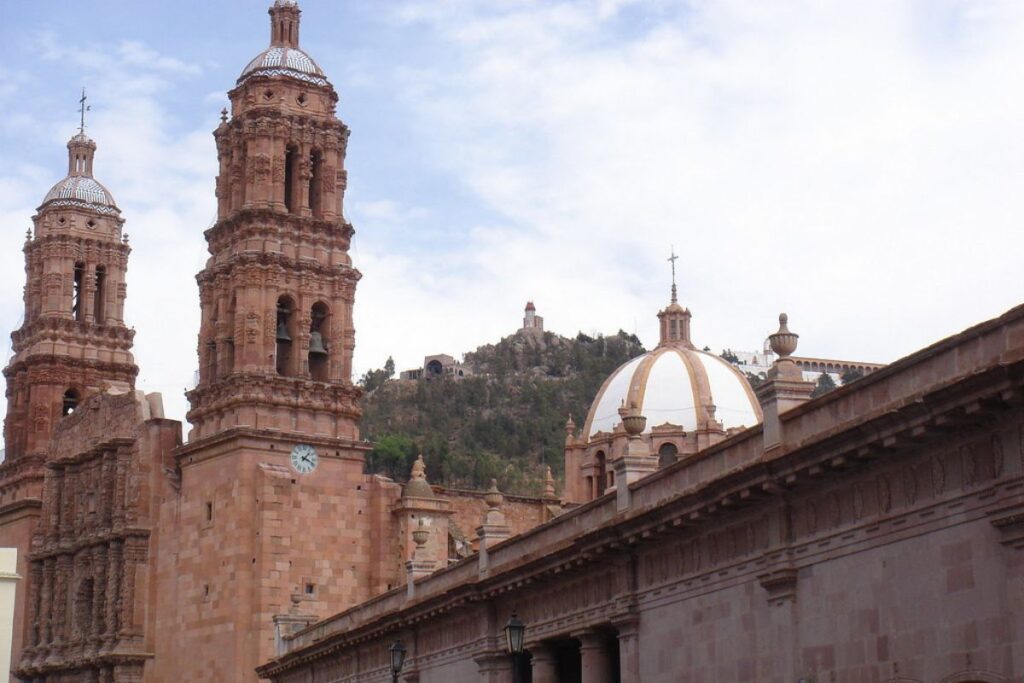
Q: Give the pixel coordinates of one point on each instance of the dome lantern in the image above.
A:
(284, 57)
(284, 23)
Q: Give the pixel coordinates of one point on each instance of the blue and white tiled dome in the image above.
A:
(285, 61)
(82, 191)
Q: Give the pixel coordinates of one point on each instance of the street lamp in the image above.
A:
(515, 631)
(397, 651)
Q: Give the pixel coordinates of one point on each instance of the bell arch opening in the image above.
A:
(284, 336)
(319, 355)
(69, 403)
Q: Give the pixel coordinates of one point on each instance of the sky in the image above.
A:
(857, 165)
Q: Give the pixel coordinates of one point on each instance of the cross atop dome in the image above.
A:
(675, 320)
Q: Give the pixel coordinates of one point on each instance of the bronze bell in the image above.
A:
(282, 332)
(316, 344)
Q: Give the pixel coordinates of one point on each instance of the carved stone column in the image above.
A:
(544, 664)
(594, 659)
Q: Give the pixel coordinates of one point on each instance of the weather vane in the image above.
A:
(81, 110)
(672, 259)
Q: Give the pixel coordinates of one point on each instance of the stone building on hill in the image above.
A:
(532, 321)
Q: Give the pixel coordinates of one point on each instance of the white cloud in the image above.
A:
(838, 160)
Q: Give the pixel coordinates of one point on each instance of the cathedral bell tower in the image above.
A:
(276, 338)
(273, 469)
(73, 341)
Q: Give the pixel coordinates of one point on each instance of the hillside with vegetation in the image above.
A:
(504, 421)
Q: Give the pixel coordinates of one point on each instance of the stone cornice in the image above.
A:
(52, 239)
(54, 328)
(83, 538)
(266, 436)
(257, 389)
(269, 223)
(279, 264)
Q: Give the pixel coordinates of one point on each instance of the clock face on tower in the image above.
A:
(304, 458)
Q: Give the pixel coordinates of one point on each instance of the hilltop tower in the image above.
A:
(73, 342)
(274, 439)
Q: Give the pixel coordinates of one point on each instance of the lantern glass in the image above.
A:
(397, 651)
(515, 631)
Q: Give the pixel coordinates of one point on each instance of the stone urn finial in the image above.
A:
(421, 535)
(783, 342)
(632, 421)
(493, 497)
(570, 426)
(549, 483)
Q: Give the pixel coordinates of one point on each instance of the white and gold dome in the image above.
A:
(678, 385)
(675, 384)
(690, 400)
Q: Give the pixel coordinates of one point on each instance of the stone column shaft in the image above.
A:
(544, 664)
(594, 660)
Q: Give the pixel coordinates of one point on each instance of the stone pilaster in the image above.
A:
(636, 459)
(785, 387)
(494, 528)
(421, 564)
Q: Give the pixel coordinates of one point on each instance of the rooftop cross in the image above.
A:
(672, 259)
(81, 110)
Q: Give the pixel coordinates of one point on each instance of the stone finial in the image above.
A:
(632, 421)
(549, 483)
(493, 528)
(493, 497)
(783, 342)
(224, 115)
(570, 426)
(28, 235)
(421, 535)
(418, 486)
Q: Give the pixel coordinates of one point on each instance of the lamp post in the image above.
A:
(397, 651)
(515, 631)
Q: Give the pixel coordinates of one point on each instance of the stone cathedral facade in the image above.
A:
(148, 558)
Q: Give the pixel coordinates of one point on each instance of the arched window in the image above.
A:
(77, 309)
(316, 162)
(602, 473)
(291, 162)
(318, 351)
(99, 295)
(285, 334)
(434, 368)
(229, 343)
(667, 454)
(70, 401)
